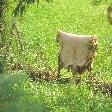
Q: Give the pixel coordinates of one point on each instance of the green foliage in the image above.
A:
(38, 27)
(98, 2)
(20, 8)
(18, 94)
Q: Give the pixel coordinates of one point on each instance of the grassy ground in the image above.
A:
(20, 95)
(38, 28)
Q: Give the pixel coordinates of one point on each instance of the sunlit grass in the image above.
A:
(38, 28)
(40, 25)
(18, 94)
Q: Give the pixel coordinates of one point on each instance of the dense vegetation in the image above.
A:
(33, 43)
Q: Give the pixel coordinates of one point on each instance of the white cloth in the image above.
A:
(74, 48)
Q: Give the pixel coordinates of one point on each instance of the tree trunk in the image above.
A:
(2, 10)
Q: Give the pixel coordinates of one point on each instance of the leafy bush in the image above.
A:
(15, 95)
(98, 2)
(18, 94)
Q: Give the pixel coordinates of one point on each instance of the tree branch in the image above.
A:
(22, 4)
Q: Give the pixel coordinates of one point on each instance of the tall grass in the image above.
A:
(38, 28)
(18, 94)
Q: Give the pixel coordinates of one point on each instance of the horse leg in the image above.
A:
(60, 65)
(76, 77)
